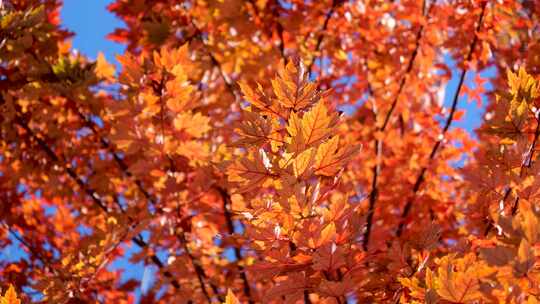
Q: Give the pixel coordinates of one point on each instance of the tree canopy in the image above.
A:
(272, 151)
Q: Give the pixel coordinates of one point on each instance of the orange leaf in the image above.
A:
(231, 298)
(327, 234)
(314, 127)
(10, 297)
(249, 172)
(258, 99)
(458, 280)
(103, 68)
(254, 129)
(303, 162)
(195, 125)
(292, 88)
(330, 160)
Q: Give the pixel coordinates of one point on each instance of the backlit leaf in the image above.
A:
(10, 296)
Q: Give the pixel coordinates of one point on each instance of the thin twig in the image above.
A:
(138, 240)
(528, 161)
(447, 124)
(378, 144)
(226, 198)
(320, 39)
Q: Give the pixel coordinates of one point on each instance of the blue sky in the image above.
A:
(91, 22)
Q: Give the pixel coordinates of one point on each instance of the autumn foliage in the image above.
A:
(269, 151)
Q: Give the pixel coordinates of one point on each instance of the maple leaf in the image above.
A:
(498, 255)
(315, 126)
(175, 60)
(330, 158)
(336, 289)
(249, 172)
(303, 162)
(292, 288)
(427, 238)
(84, 166)
(103, 68)
(197, 152)
(10, 296)
(195, 125)
(329, 257)
(420, 290)
(258, 99)
(131, 69)
(458, 280)
(528, 223)
(178, 96)
(316, 236)
(523, 87)
(281, 264)
(231, 298)
(525, 259)
(413, 284)
(254, 130)
(292, 88)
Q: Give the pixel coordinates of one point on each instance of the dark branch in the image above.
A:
(320, 39)
(138, 240)
(447, 124)
(226, 198)
(378, 144)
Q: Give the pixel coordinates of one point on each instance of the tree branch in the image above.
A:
(320, 39)
(378, 144)
(138, 240)
(449, 119)
(226, 198)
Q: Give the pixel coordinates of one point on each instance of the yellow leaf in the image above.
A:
(523, 90)
(525, 259)
(103, 68)
(315, 126)
(414, 287)
(303, 162)
(112, 220)
(506, 141)
(521, 108)
(293, 89)
(329, 159)
(458, 280)
(231, 298)
(327, 234)
(10, 297)
(342, 55)
(195, 125)
(522, 85)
